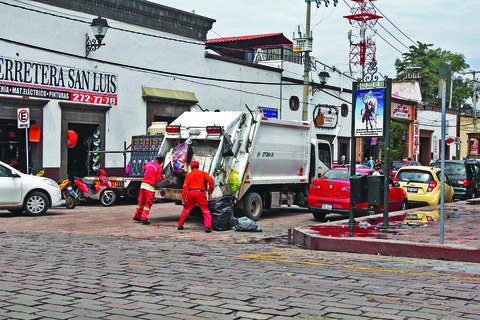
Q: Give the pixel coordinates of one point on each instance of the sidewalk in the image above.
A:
(461, 235)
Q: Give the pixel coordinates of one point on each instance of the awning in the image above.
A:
(158, 94)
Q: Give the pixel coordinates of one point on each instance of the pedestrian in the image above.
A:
(371, 163)
(366, 162)
(193, 192)
(377, 165)
(153, 174)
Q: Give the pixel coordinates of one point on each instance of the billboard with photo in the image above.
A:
(369, 113)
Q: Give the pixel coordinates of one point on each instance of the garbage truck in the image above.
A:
(261, 162)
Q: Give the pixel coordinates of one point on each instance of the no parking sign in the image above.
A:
(23, 118)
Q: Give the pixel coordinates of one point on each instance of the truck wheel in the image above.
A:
(36, 204)
(252, 206)
(319, 216)
(108, 198)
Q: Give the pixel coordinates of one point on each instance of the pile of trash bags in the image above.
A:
(221, 210)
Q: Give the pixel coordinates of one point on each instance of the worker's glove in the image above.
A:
(184, 201)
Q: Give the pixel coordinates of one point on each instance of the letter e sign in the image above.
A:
(23, 118)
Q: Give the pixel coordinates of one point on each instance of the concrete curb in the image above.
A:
(385, 244)
(305, 238)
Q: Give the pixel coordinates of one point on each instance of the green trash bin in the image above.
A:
(376, 187)
(358, 188)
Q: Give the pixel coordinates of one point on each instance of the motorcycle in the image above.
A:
(89, 189)
(70, 196)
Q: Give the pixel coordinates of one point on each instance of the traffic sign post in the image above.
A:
(23, 121)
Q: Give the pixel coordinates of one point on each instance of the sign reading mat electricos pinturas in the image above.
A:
(50, 81)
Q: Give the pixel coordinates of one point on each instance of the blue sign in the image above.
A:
(269, 112)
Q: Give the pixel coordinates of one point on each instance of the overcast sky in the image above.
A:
(449, 25)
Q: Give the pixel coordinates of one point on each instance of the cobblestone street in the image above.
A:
(52, 273)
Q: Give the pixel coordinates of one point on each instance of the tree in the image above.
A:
(397, 133)
(427, 59)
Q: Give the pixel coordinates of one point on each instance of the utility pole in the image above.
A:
(474, 98)
(474, 103)
(306, 64)
(304, 44)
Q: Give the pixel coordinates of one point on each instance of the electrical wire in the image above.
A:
(376, 33)
(393, 23)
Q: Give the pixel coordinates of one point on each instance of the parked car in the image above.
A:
(465, 177)
(331, 194)
(395, 165)
(423, 185)
(21, 192)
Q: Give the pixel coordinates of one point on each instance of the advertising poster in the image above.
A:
(369, 113)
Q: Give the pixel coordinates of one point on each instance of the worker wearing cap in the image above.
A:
(194, 192)
(153, 174)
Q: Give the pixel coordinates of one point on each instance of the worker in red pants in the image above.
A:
(153, 174)
(193, 192)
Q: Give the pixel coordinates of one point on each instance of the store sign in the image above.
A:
(416, 138)
(326, 116)
(400, 111)
(371, 85)
(474, 148)
(50, 81)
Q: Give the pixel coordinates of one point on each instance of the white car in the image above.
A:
(22, 192)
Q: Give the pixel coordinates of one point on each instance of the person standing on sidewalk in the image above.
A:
(194, 192)
(153, 174)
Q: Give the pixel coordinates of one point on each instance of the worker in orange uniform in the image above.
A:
(194, 192)
(153, 174)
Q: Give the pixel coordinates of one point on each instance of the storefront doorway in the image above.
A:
(85, 121)
(79, 161)
(13, 141)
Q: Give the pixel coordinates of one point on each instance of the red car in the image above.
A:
(331, 194)
(395, 165)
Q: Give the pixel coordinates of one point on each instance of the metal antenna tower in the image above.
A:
(363, 19)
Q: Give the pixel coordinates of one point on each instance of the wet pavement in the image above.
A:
(421, 239)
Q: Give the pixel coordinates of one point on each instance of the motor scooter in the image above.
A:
(70, 196)
(89, 189)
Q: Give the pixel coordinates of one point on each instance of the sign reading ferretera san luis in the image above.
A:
(50, 81)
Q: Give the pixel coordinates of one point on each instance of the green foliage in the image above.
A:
(397, 133)
(427, 60)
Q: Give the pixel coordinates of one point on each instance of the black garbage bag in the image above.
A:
(246, 224)
(221, 210)
(227, 146)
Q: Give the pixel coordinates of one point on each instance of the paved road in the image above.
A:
(94, 263)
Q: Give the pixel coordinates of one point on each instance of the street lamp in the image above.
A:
(323, 76)
(99, 28)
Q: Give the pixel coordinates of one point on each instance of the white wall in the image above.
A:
(431, 120)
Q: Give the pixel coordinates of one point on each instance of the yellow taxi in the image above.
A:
(423, 185)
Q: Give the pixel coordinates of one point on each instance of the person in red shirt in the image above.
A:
(194, 192)
(153, 174)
